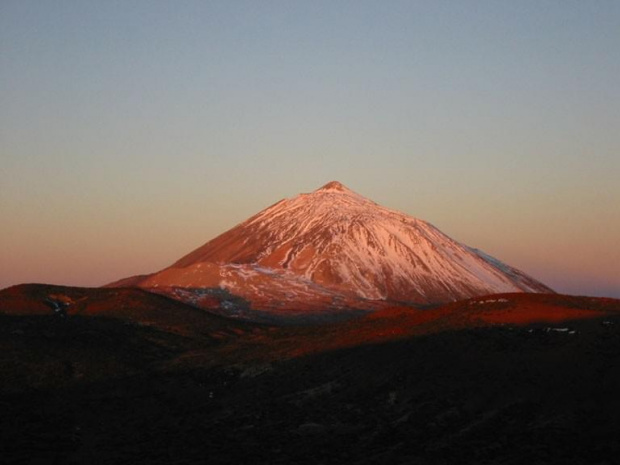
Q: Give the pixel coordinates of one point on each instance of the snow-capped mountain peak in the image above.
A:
(334, 244)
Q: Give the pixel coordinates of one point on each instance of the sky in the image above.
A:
(132, 132)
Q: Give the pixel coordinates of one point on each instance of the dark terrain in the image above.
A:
(122, 376)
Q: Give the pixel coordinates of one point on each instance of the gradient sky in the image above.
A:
(131, 132)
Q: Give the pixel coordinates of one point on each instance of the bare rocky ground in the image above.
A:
(90, 389)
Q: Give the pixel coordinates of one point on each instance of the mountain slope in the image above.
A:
(335, 247)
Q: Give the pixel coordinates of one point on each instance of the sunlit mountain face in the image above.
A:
(333, 248)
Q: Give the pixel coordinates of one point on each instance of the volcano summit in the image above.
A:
(335, 248)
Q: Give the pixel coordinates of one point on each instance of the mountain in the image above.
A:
(333, 248)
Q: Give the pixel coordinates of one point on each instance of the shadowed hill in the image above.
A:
(502, 379)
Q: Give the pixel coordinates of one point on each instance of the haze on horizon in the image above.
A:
(133, 132)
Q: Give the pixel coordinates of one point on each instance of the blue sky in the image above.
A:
(133, 132)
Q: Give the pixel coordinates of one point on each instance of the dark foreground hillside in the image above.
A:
(93, 390)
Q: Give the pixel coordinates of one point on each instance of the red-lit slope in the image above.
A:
(128, 305)
(551, 312)
(335, 248)
(241, 342)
